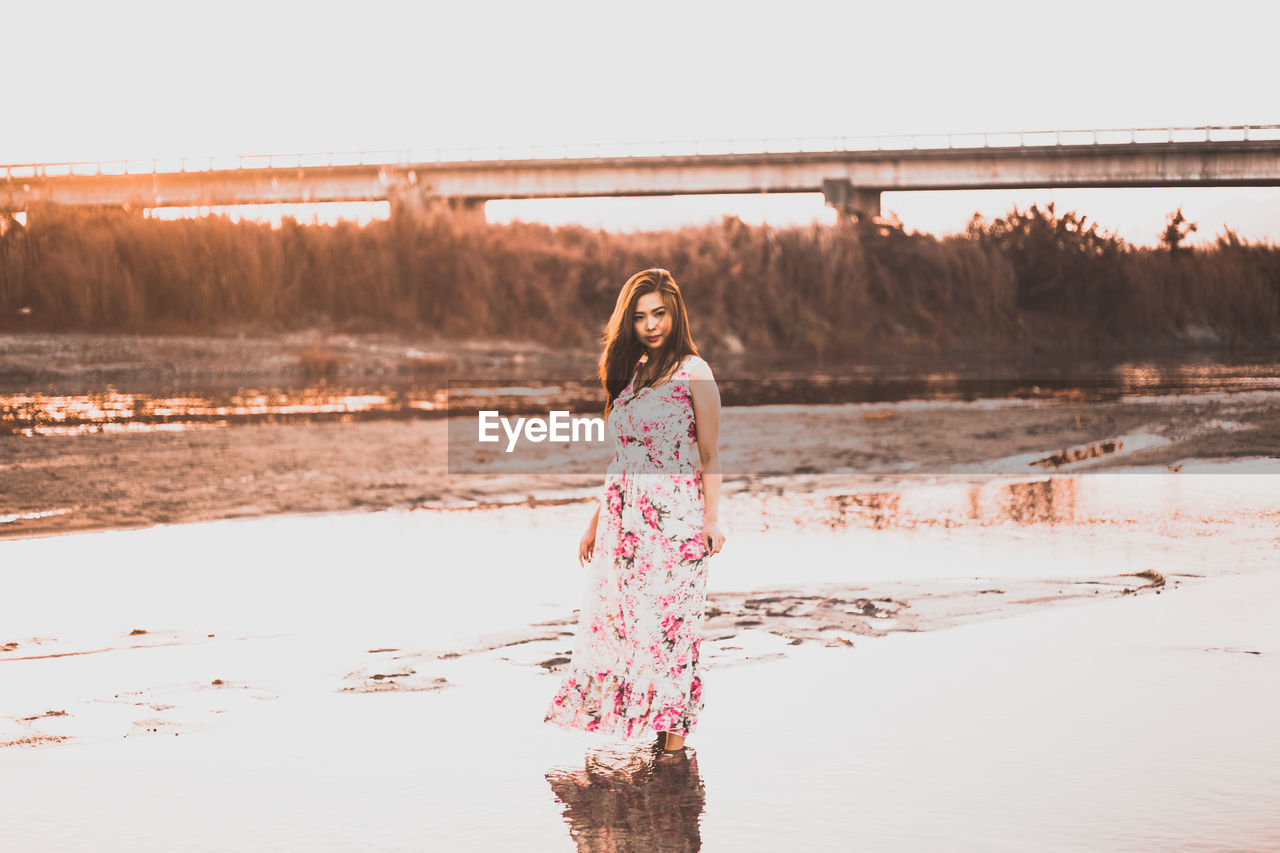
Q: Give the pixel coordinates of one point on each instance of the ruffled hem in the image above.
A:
(596, 707)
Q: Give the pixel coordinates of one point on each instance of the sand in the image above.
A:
(55, 484)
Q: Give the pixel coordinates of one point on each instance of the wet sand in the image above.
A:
(140, 471)
(992, 665)
(55, 484)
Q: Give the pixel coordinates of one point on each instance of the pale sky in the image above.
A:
(132, 79)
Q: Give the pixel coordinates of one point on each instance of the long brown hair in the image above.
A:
(621, 348)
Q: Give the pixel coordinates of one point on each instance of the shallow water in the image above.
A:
(380, 679)
(40, 411)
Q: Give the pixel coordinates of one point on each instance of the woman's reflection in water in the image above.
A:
(632, 800)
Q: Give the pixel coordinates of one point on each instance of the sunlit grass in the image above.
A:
(1029, 277)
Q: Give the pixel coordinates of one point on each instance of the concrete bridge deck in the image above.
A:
(851, 173)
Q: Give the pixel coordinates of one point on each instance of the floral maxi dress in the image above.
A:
(635, 662)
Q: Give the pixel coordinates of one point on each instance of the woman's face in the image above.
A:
(652, 321)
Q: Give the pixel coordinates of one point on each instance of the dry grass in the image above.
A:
(809, 289)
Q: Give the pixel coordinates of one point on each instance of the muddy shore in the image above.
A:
(108, 478)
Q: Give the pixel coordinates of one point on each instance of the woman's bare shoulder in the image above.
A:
(697, 368)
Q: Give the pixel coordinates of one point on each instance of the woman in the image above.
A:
(635, 664)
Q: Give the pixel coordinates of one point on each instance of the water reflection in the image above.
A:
(35, 412)
(633, 800)
(874, 509)
(110, 411)
(995, 501)
(1052, 500)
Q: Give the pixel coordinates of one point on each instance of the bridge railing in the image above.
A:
(604, 150)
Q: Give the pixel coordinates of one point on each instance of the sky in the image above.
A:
(128, 79)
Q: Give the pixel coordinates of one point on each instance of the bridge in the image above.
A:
(850, 172)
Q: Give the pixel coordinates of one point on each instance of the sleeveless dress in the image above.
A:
(634, 669)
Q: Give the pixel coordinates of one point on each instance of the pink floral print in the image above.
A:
(635, 661)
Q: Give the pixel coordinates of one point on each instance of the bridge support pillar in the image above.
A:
(849, 201)
(468, 208)
(411, 201)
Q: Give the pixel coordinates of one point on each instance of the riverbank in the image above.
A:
(132, 478)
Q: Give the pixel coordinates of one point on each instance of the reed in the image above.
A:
(815, 289)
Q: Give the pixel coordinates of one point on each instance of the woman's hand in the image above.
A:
(712, 537)
(587, 545)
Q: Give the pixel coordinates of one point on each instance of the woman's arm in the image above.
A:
(587, 544)
(706, 413)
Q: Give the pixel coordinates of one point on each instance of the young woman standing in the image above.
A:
(635, 663)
